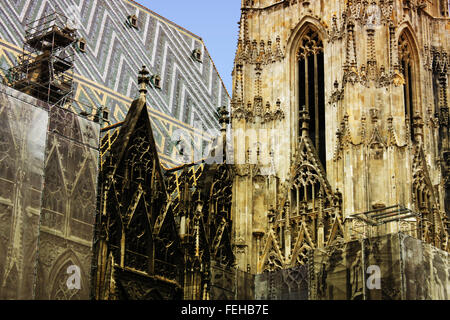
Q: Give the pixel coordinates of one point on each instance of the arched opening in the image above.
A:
(310, 57)
(67, 279)
(408, 67)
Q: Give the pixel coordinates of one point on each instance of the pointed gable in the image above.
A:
(309, 217)
(137, 218)
(307, 157)
(135, 134)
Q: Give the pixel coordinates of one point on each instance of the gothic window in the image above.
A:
(436, 85)
(82, 205)
(139, 246)
(312, 87)
(305, 191)
(7, 149)
(407, 67)
(55, 200)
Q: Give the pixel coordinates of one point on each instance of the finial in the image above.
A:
(224, 119)
(418, 127)
(143, 80)
(304, 121)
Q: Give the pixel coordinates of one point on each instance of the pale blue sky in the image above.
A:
(215, 21)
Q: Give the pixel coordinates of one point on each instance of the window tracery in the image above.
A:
(407, 68)
(310, 58)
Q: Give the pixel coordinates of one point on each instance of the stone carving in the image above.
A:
(291, 235)
(248, 52)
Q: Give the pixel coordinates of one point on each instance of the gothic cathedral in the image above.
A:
(340, 126)
(330, 165)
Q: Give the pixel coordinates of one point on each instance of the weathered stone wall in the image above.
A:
(48, 174)
(23, 131)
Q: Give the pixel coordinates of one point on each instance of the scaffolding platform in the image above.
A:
(385, 220)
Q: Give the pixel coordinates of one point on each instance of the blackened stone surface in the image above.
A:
(231, 284)
(289, 284)
(130, 285)
(23, 128)
(245, 285)
(223, 283)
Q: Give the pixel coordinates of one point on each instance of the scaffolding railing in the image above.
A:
(54, 28)
(380, 221)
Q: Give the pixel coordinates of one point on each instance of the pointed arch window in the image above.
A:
(444, 7)
(312, 87)
(407, 67)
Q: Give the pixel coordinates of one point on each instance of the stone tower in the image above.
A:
(339, 126)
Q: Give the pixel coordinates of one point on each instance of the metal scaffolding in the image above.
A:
(46, 66)
(387, 220)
